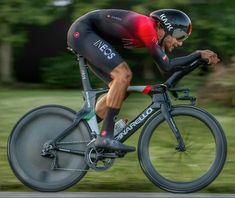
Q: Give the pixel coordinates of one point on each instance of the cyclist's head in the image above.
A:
(175, 22)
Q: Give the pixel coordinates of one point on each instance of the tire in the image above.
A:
(182, 172)
(25, 144)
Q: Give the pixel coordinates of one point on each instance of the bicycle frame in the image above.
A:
(161, 102)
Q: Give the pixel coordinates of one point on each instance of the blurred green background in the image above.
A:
(36, 69)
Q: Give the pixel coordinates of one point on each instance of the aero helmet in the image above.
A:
(175, 22)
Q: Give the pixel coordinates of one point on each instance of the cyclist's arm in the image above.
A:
(172, 65)
(147, 34)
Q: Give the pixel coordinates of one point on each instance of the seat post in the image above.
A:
(84, 73)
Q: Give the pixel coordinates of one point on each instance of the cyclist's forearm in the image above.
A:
(181, 62)
(171, 65)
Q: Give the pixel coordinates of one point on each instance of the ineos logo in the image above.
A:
(165, 21)
(107, 51)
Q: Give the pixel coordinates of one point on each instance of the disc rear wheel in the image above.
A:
(30, 135)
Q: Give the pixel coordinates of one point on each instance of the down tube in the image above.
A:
(136, 123)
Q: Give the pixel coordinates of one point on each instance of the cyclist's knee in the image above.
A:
(125, 77)
(129, 75)
(122, 74)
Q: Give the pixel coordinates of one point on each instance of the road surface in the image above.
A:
(109, 195)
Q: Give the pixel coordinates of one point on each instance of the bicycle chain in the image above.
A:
(73, 142)
(71, 169)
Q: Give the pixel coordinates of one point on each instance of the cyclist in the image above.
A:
(93, 36)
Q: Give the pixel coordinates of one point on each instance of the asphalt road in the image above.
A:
(108, 195)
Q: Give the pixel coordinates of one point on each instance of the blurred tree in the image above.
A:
(14, 15)
(214, 26)
(80, 7)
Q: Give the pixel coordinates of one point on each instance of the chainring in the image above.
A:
(95, 159)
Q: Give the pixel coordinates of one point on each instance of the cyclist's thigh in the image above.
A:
(103, 58)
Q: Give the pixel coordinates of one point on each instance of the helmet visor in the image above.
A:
(179, 34)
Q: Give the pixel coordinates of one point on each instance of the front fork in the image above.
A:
(166, 114)
(162, 101)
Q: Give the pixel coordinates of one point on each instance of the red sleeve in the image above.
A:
(145, 31)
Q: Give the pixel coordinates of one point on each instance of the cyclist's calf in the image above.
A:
(121, 76)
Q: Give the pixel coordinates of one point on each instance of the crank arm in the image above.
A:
(108, 155)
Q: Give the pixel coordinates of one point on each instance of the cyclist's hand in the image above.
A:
(209, 55)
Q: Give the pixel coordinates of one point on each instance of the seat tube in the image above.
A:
(89, 96)
(84, 73)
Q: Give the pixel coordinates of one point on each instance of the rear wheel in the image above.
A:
(183, 171)
(26, 142)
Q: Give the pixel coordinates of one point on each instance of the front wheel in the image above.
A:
(26, 142)
(183, 171)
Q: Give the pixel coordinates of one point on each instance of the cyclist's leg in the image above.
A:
(101, 107)
(121, 77)
(109, 66)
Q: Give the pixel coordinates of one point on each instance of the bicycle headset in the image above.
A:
(175, 23)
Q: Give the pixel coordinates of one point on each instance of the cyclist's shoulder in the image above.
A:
(127, 16)
(118, 13)
(122, 11)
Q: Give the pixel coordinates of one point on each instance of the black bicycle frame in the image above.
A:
(161, 101)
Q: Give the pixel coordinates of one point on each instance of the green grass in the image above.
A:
(125, 174)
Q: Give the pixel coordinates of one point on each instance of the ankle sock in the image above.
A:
(109, 122)
(98, 118)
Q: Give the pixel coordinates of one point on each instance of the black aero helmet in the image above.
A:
(175, 22)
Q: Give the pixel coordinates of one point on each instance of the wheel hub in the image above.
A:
(47, 150)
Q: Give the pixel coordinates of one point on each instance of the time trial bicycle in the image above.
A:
(181, 149)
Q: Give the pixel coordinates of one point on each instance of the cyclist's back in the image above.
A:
(116, 26)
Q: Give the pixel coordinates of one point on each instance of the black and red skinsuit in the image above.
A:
(94, 34)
